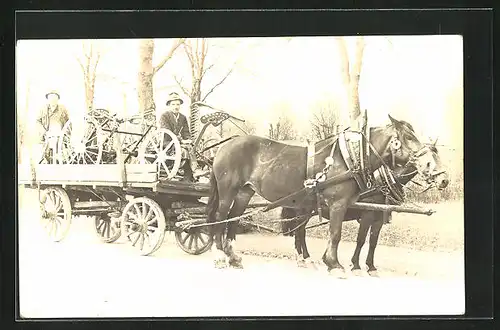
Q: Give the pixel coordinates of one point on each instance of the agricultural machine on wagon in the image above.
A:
(128, 181)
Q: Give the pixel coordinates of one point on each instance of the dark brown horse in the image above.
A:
(369, 220)
(250, 164)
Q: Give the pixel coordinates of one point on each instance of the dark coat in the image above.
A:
(47, 118)
(179, 126)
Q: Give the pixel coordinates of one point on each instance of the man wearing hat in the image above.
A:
(176, 122)
(51, 118)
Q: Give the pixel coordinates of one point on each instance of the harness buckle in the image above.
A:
(310, 183)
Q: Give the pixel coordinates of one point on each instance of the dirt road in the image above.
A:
(81, 277)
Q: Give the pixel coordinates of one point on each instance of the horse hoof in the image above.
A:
(373, 273)
(301, 264)
(357, 272)
(338, 273)
(236, 263)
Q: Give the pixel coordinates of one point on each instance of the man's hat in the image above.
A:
(173, 97)
(52, 92)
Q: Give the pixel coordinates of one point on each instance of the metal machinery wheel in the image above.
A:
(107, 227)
(163, 148)
(209, 154)
(81, 146)
(194, 241)
(55, 208)
(143, 223)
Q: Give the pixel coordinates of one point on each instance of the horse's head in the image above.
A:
(402, 147)
(439, 177)
(434, 171)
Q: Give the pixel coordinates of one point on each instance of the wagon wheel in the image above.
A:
(107, 228)
(55, 217)
(194, 241)
(162, 147)
(81, 147)
(143, 223)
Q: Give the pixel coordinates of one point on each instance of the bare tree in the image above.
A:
(197, 51)
(283, 129)
(351, 76)
(248, 127)
(88, 63)
(147, 71)
(324, 122)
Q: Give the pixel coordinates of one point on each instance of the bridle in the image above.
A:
(430, 178)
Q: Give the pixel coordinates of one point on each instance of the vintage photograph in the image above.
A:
(240, 177)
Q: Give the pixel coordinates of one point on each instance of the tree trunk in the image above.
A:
(354, 107)
(145, 75)
(350, 79)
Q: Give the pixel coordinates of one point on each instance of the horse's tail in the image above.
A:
(287, 213)
(213, 199)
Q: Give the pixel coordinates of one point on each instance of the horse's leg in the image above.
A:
(305, 252)
(287, 226)
(330, 257)
(300, 238)
(218, 230)
(364, 225)
(240, 204)
(374, 233)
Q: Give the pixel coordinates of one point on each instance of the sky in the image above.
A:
(409, 77)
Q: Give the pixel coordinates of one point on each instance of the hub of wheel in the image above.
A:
(80, 147)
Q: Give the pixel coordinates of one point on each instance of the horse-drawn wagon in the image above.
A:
(127, 177)
(132, 186)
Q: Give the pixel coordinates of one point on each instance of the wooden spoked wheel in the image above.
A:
(55, 209)
(107, 228)
(143, 223)
(163, 148)
(194, 241)
(81, 146)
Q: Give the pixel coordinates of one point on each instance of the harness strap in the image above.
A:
(350, 162)
(311, 150)
(368, 169)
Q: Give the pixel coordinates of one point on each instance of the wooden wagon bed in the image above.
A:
(132, 177)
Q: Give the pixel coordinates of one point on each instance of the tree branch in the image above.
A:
(169, 55)
(205, 70)
(81, 65)
(184, 90)
(218, 84)
(189, 53)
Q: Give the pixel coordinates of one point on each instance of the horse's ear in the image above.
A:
(395, 122)
(435, 141)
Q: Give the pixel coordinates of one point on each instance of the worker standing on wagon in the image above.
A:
(176, 122)
(50, 120)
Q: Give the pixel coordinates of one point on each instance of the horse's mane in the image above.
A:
(407, 125)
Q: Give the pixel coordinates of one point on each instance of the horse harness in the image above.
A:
(355, 150)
